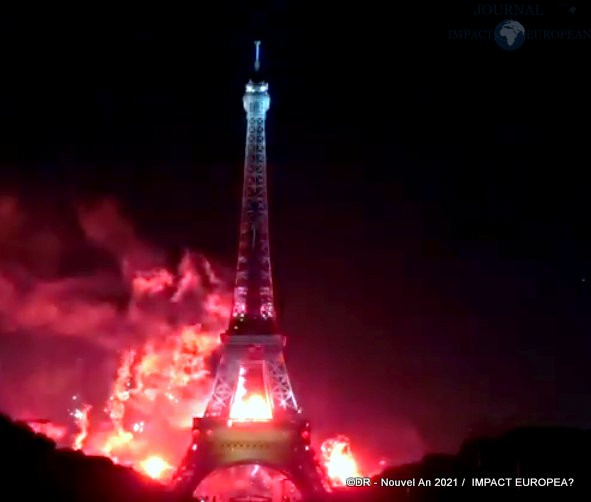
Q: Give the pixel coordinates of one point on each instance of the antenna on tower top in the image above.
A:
(257, 62)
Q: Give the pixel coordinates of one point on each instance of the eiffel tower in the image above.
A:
(252, 416)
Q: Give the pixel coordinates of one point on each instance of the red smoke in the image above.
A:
(106, 339)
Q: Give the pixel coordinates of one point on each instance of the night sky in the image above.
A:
(429, 197)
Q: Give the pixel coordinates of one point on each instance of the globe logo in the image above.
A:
(509, 35)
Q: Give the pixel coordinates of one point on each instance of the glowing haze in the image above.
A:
(154, 327)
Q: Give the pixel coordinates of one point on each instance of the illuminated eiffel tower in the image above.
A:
(252, 416)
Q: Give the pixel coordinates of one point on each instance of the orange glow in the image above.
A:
(338, 460)
(155, 467)
(52, 431)
(115, 441)
(81, 417)
(249, 406)
(152, 281)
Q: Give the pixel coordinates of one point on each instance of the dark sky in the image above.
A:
(429, 197)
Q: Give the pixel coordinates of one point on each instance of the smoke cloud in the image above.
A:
(105, 343)
(82, 301)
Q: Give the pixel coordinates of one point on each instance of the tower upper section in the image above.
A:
(253, 311)
(256, 99)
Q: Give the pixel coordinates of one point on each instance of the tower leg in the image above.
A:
(224, 386)
(279, 384)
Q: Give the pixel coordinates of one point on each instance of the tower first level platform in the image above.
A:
(282, 445)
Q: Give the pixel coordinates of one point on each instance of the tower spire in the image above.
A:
(257, 61)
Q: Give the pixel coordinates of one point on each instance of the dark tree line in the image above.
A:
(534, 452)
(32, 468)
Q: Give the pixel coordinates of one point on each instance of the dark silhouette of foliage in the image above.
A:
(528, 452)
(32, 468)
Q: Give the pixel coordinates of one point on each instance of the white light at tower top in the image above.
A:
(261, 87)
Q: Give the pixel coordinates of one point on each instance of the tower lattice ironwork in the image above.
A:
(253, 292)
(253, 347)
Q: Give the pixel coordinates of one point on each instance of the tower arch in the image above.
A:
(247, 479)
